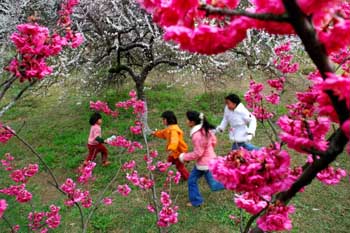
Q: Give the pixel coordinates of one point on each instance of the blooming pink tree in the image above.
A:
(35, 47)
(264, 180)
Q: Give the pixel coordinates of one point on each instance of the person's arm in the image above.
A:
(160, 133)
(197, 152)
(174, 140)
(250, 120)
(223, 124)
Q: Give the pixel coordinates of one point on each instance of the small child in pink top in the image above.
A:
(95, 141)
(204, 142)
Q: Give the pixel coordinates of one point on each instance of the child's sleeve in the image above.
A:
(160, 134)
(174, 140)
(224, 122)
(197, 152)
(250, 119)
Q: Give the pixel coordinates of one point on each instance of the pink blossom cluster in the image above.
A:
(172, 176)
(103, 107)
(264, 172)
(168, 214)
(331, 176)
(341, 57)
(296, 133)
(35, 45)
(137, 128)
(163, 167)
(19, 191)
(66, 11)
(51, 219)
(86, 172)
(331, 23)
(137, 105)
(75, 195)
(5, 133)
(195, 31)
(121, 141)
(139, 181)
(277, 84)
(254, 98)
(124, 190)
(3, 207)
(107, 201)
(129, 165)
(276, 218)
(283, 62)
(250, 202)
(7, 162)
(151, 208)
(22, 175)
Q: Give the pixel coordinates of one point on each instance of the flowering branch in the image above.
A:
(8, 224)
(224, 11)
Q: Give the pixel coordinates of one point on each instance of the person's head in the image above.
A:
(232, 101)
(95, 118)
(196, 118)
(169, 118)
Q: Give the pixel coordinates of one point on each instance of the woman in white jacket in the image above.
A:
(242, 123)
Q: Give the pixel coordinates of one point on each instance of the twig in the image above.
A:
(8, 224)
(99, 200)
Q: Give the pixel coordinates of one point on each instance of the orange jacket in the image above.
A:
(175, 141)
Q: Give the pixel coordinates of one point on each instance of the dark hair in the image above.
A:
(195, 117)
(94, 118)
(170, 117)
(233, 98)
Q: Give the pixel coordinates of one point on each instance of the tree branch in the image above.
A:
(211, 10)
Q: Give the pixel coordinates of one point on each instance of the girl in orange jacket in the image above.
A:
(175, 142)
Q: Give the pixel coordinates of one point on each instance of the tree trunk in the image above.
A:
(140, 85)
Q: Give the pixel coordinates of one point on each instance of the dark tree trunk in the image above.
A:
(140, 85)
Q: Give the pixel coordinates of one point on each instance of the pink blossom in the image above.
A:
(163, 167)
(87, 200)
(103, 107)
(150, 208)
(18, 176)
(154, 154)
(5, 133)
(331, 176)
(107, 201)
(165, 199)
(295, 133)
(3, 207)
(263, 171)
(168, 215)
(69, 186)
(250, 202)
(137, 128)
(133, 178)
(15, 228)
(23, 196)
(276, 218)
(129, 165)
(145, 183)
(274, 98)
(86, 172)
(53, 217)
(77, 40)
(124, 190)
(346, 128)
(278, 84)
(31, 170)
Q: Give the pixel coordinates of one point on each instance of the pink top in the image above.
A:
(203, 148)
(95, 132)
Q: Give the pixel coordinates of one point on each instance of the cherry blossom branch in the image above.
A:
(99, 201)
(6, 85)
(8, 224)
(151, 176)
(228, 12)
(36, 154)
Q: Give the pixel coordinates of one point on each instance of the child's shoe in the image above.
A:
(105, 164)
(189, 204)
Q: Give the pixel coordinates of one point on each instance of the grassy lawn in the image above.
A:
(58, 129)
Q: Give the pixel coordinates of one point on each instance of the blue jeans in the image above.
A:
(196, 198)
(245, 145)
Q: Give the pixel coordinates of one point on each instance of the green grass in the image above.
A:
(59, 129)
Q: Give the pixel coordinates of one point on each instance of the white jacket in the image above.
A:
(242, 124)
